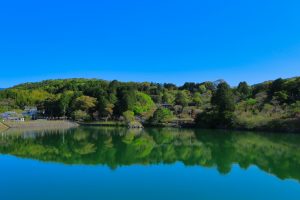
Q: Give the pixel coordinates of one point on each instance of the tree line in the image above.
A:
(207, 104)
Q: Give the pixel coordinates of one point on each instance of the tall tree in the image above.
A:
(182, 98)
(223, 104)
(65, 101)
(244, 90)
(126, 100)
(105, 107)
(223, 99)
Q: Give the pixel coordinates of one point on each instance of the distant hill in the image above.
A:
(2, 88)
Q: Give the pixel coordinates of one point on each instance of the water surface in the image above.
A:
(116, 163)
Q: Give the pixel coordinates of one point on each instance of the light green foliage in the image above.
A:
(251, 102)
(247, 105)
(85, 103)
(144, 105)
(65, 101)
(197, 99)
(182, 98)
(80, 115)
(168, 97)
(202, 89)
(24, 97)
(128, 116)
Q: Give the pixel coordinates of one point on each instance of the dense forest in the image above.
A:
(268, 105)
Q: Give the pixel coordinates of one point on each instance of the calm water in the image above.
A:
(111, 163)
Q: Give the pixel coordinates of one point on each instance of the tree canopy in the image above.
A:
(208, 103)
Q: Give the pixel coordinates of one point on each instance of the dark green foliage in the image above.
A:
(192, 87)
(102, 106)
(276, 86)
(126, 100)
(206, 119)
(170, 86)
(244, 90)
(52, 107)
(221, 114)
(223, 99)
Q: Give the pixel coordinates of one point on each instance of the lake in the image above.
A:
(156, 163)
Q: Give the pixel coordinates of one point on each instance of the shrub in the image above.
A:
(80, 115)
(161, 115)
(128, 116)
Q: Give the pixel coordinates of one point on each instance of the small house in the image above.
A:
(12, 116)
(166, 105)
(31, 112)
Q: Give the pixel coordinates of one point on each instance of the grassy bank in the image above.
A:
(41, 124)
(3, 126)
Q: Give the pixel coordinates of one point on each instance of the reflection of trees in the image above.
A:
(276, 154)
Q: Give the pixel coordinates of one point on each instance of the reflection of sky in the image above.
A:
(29, 179)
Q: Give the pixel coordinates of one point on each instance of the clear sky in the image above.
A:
(149, 40)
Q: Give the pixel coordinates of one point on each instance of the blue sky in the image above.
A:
(149, 40)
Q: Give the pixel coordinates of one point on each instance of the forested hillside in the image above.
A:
(269, 105)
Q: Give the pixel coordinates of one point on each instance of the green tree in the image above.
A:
(126, 100)
(128, 116)
(105, 108)
(144, 105)
(182, 98)
(81, 115)
(52, 108)
(202, 88)
(65, 101)
(281, 96)
(244, 90)
(223, 99)
(85, 103)
(223, 105)
(276, 86)
(295, 109)
(197, 99)
(161, 115)
(168, 97)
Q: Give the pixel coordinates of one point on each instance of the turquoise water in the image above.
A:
(111, 163)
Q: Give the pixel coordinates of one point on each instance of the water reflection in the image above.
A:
(277, 154)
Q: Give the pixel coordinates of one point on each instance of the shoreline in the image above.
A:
(53, 124)
(3, 127)
(283, 129)
(66, 124)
